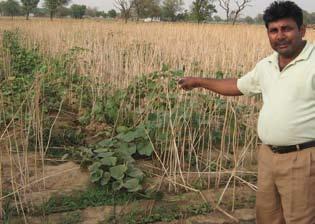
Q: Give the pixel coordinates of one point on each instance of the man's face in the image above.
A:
(285, 37)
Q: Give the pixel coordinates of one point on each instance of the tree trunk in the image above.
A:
(27, 15)
(235, 17)
(51, 15)
(234, 21)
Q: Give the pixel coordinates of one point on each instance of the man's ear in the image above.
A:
(303, 30)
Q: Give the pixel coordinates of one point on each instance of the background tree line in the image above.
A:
(51, 8)
(166, 10)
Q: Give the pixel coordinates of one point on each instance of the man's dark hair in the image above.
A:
(283, 10)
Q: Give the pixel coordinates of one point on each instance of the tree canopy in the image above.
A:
(10, 8)
(52, 6)
(28, 6)
(202, 10)
(171, 8)
(77, 11)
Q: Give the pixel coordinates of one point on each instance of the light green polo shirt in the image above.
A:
(288, 113)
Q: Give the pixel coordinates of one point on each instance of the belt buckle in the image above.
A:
(274, 148)
(298, 148)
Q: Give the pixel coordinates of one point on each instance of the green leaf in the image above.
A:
(106, 178)
(132, 185)
(105, 154)
(132, 149)
(117, 185)
(127, 137)
(100, 150)
(106, 143)
(140, 132)
(121, 129)
(127, 158)
(126, 149)
(134, 172)
(117, 172)
(145, 149)
(109, 161)
(95, 166)
(96, 175)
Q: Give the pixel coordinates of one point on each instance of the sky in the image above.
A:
(257, 5)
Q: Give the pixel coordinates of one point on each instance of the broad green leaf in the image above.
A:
(127, 137)
(105, 154)
(132, 185)
(96, 175)
(140, 132)
(117, 185)
(106, 178)
(145, 149)
(132, 149)
(121, 129)
(134, 172)
(126, 149)
(95, 166)
(127, 158)
(117, 172)
(106, 143)
(100, 150)
(109, 161)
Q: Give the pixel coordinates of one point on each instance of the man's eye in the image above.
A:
(287, 29)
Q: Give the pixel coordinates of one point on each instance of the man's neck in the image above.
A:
(285, 60)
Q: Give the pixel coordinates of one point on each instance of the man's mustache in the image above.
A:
(282, 43)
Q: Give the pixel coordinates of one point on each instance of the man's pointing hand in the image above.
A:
(188, 83)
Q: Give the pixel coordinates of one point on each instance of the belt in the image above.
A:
(291, 148)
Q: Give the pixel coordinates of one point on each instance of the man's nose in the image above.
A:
(280, 35)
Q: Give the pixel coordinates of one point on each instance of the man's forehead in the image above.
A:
(282, 23)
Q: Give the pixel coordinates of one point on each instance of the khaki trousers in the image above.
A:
(286, 187)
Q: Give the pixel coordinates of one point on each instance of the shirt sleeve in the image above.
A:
(249, 84)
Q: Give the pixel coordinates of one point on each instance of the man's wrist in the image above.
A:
(199, 83)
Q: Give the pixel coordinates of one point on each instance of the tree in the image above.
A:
(217, 18)
(154, 9)
(259, 18)
(170, 8)
(249, 20)
(63, 11)
(112, 13)
(101, 14)
(2, 8)
(202, 10)
(241, 5)
(184, 16)
(125, 7)
(308, 18)
(11, 8)
(234, 14)
(225, 5)
(28, 6)
(91, 12)
(77, 11)
(147, 8)
(40, 12)
(52, 6)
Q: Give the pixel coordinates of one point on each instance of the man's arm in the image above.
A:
(226, 87)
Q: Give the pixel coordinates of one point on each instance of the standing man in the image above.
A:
(286, 124)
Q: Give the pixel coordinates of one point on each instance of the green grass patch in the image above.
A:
(92, 197)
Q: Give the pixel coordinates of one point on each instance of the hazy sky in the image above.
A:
(257, 5)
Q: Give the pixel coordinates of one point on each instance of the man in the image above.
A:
(286, 124)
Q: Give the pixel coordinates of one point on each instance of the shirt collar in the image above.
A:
(304, 55)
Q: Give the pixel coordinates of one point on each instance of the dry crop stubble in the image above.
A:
(116, 53)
